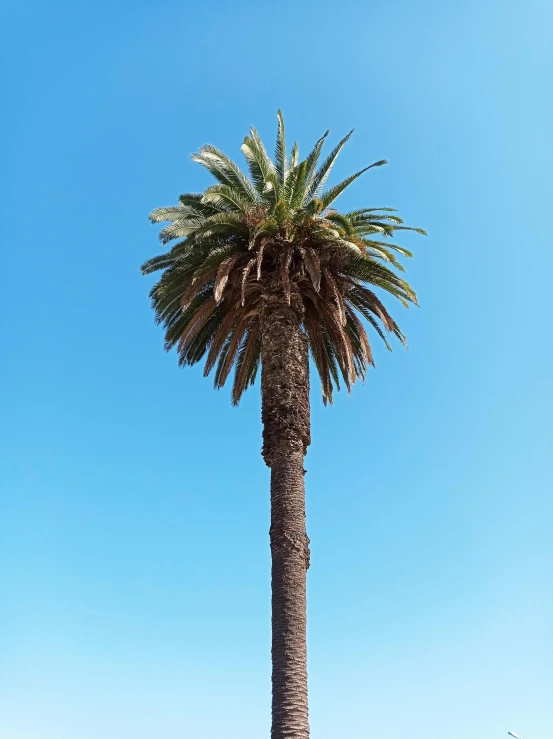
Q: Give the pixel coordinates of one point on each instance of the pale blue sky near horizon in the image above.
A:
(134, 560)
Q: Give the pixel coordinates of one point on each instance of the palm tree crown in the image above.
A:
(274, 236)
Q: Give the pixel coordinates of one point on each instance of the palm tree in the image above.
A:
(265, 271)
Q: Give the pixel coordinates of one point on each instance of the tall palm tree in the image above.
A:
(265, 271)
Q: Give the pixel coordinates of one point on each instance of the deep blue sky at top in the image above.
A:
(134, 557)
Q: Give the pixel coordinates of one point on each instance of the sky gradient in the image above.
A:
(134, 558)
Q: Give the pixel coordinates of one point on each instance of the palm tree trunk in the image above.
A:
(285, 415)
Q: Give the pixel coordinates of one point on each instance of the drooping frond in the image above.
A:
(225, 170)
(276, 225)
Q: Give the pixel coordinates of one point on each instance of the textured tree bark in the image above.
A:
(285, 415)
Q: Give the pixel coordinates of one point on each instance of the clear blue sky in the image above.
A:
(134, 556)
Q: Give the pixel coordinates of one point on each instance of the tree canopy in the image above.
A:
(275, 234)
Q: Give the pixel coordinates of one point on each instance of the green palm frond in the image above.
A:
(320, 177)
(312, 158)
(259, 164)
(225, 170)
(281, 163)
(294, 156)
(329, 197)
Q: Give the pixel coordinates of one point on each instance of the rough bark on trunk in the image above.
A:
(285, 415)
